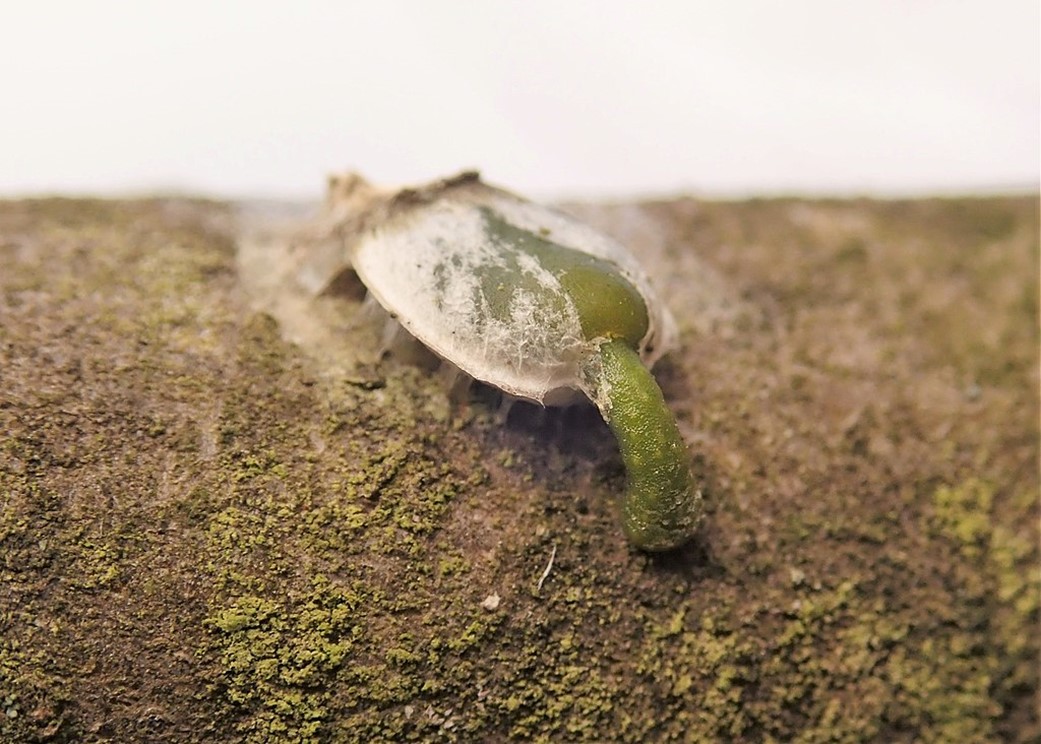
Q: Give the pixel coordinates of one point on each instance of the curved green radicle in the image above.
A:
(662, 505)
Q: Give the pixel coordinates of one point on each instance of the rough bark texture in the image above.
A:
(212, 533)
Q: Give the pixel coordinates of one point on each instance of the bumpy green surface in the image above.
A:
(204, 536)
(662, 504)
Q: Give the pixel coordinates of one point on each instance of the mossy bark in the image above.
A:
(212, 533)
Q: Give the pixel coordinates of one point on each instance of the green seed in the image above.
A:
(608, 306)
(528, 300)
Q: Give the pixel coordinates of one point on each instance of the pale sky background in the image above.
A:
(550, 98)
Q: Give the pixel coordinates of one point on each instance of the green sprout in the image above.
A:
(527, 299)
(662, 505)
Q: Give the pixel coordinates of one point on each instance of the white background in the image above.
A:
(553, 98)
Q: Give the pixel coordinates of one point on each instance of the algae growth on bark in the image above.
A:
(211, 532)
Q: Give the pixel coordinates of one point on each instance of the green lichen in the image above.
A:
(277, 659)
(202, 537)
(1001, 585)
